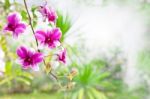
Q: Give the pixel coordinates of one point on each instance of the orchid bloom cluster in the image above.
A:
(48, 38)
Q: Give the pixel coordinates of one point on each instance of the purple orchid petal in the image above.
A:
(21, 25)
(22, 52)
(56, 34)
(51, 45)
(7, 28)
(13, 18)
(40, 35)
(14, 24)
(20, 28)
(55, 44)
(37, 58)
(62, 56)
(51, 38)
(18, 31)
(44, 10)
(48, 13)
(28, 58)
(52, 16)
(10, 27)
(25, 65)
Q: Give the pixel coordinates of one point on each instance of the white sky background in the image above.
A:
(106, 27)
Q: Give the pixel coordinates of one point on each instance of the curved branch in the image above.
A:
(30, 22)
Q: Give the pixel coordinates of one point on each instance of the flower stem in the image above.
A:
(30, 23)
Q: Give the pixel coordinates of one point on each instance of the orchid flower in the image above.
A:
(14, 24)
(62, 56)
(48, 13)
(29, 59)
(49, 37)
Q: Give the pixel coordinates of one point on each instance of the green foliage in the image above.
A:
(94, 82)
(86, 81)
(144, 60)
(24, 15)
(64, 23)
(97, 79)
(32, 96)
(34, 16)
(33, 10)
(3, 44)
(7, 4)
(14, 73)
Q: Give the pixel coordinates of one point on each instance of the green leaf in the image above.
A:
(7, 4)
(27, 75)
(3, 44)
(81, 94)
(64, 23)
(98, 94)
(34, 22)
(8, 68)
(24, 80)
(103, 75)
(6, 80)
(89, 94)
(24, 15)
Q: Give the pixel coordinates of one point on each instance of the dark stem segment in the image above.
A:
(54, 76)
(30, 22)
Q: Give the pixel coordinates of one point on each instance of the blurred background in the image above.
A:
(107, 41)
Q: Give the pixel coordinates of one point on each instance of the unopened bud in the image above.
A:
(74, 72)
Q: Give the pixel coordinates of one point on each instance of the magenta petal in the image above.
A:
(56, 43)
(14, 18)
(62, 56)
(50, 38)
(25, 65)
(20, 28)
(22, 52)
(28, 58)
(21, 25)
(18, 31)
(51, 45)
(7, 28)
(48, 13)
(56, 34)
(40, 35)
(52, 16)
(37, 58)
(14, 25)
(44, 10)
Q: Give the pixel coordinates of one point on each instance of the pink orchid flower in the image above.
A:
(48, 13)
(14, 24)
(50, 37)
(28, 58)
(62, 56)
